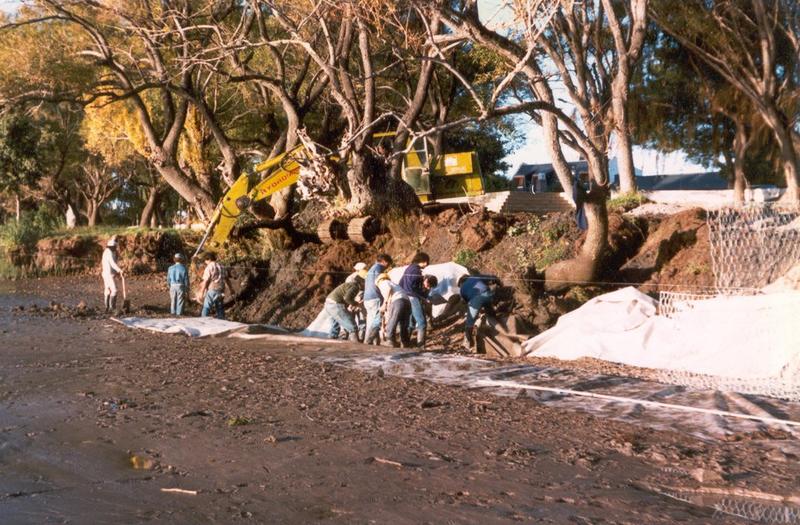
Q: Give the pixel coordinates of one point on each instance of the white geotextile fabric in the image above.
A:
(743, 337)
(191, 326)
(448, 275)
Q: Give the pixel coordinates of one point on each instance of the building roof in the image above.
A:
(528, 169)
(689, 181)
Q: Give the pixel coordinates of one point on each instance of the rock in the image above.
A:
(143, 462)
(776, 455)
(704, 475)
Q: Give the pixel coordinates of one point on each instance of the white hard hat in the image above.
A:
(111, 242)
(360, 266)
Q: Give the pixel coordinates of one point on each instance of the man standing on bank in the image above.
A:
(213, 290)
(178, 282)
(110, 270)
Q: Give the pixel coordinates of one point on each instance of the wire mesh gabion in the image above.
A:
(751, 247)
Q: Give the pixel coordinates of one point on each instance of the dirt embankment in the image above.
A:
(651, 253)
(139, 252)
(288, 287)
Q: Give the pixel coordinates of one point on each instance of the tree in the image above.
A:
(681, 104)
(19, 163)
(753, 45)
(628, 41)
(570, 39)
(99, 183)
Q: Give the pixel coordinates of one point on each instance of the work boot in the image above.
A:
(372, 337)
(469, 339)
(390, 343)
(420, 337)
(113, 303)
(353, 337)
(107, 302)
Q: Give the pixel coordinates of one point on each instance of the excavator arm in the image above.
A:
(285, 171)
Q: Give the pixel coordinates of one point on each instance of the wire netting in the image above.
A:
(751, 247)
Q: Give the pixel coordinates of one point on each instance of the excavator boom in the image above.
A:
(285, 172)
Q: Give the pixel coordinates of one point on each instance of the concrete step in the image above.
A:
(520, 201)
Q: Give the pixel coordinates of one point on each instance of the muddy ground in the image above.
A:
(99, 424)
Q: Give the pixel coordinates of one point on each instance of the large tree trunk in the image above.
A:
(740, 143)
(281, 201)
(362, 199)
(619, 103)
(201, 200)
(150, 207)
(91, 213)
(587, 266)
(789, 156)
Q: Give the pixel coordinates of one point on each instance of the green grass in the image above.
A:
(627, 202)
(107, 231)
(465, 257)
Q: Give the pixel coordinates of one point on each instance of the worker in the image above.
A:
(398, 304)
(358, 267)
(339, 304)
(178, 282)
(412, 283)
(110, 270)
(212, 292)
(373, 298)
(478, 292)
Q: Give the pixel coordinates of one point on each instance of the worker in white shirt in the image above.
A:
(110, 270)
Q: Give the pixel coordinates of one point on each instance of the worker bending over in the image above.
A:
(478, 292)
(109, 269)
(178, 282)
(339, 304)
(398, 304)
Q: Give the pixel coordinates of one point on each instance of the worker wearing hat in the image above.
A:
(178, 282)
(110, 270)
(341, 302)
(359, 269)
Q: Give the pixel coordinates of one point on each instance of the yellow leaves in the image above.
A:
(112, 130)
(191, 148)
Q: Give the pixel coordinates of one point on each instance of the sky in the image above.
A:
(9, 6)
(534, 151)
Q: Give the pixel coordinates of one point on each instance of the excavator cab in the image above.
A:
(436, 177)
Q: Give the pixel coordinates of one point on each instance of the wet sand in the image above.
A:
(96, 420)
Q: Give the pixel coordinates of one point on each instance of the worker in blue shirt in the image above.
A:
(178, 282)
(412, 283)
(478, 292)
(373, 299)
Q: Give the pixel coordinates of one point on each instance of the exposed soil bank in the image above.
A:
(267, 433)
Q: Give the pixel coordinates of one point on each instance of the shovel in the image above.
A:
(126, 304)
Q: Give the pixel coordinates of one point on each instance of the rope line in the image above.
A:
(94, 261)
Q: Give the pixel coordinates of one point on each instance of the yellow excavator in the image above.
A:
(449, 175)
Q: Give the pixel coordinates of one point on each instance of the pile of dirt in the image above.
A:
(138, 252)
(675, 256)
